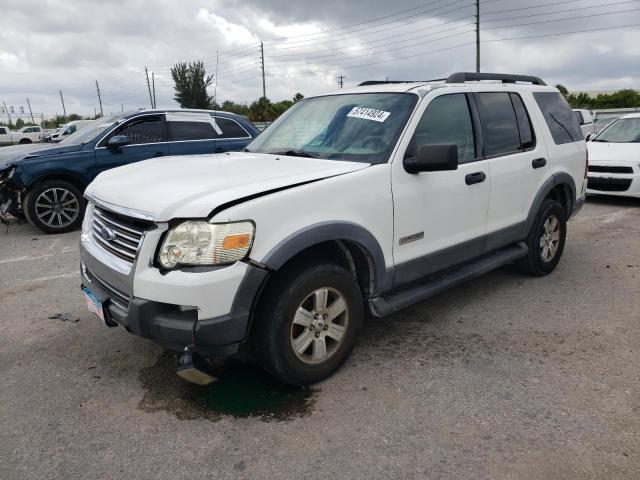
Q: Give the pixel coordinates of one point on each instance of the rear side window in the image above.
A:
(527, 137)
(230, 128)
(181, 131)
(499, 124)
(560, 119)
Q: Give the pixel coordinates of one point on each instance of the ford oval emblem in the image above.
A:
(107, 233)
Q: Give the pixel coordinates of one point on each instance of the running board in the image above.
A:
(392, 302)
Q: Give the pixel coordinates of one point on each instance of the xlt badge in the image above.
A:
(412, 238)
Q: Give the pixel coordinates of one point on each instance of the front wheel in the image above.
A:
(54, 206)
(546, 240)
(24, 141)
(308, 322)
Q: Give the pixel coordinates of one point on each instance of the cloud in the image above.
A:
(47, 46)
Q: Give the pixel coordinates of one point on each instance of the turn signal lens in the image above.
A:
(231, 242)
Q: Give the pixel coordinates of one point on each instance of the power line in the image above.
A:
(383, 39)
(562, 33)
(349, 57)
(366, 22)
(530, 7)
(563, 19)
(372, 31)
(611, 4)
(421, 54)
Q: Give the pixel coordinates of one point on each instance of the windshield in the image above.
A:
(360, 127)
(623, 130)
(90, 131)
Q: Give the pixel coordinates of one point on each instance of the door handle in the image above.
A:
(477, 177)
(159, 154)
(539, 162)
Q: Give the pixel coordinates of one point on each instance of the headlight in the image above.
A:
(202, 243)
(86, 222)
(7, 174)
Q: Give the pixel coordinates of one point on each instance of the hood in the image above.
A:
(192, 186)
(17, 153)
(614, 152)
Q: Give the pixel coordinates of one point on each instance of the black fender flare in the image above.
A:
(312, 235)
(560, 178)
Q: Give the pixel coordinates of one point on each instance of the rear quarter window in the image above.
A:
(231, 128)
(561, 120)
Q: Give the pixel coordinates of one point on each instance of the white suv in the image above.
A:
(368, 199)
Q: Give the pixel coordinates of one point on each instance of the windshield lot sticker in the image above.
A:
(369, 114)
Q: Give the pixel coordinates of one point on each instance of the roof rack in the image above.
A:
(462, 77)
(389, 82)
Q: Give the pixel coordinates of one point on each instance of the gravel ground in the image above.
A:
(505, 377)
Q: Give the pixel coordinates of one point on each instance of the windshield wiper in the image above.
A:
(295, 153)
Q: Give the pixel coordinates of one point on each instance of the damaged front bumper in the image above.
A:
(10, 203)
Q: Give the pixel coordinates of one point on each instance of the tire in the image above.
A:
(280, 322)
(65, 202)
(546, 240)
(24, 141)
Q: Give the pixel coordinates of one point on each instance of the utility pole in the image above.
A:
(341, 80)
(64, 110)
(30, 112)
(264, 88)
(153, 87)
(477, 36)
(7, 110)
(146, 72)
(215, 86)
(99, 99)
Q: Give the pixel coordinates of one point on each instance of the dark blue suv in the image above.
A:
(44, 183)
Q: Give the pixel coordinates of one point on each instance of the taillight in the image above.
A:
(586, 164)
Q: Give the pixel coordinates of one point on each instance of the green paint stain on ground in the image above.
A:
(243, 389)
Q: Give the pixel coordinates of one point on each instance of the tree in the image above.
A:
(261, 110)
(297, 97)
(190, 84)
(563, 90)
(233, 107)
(619, 99)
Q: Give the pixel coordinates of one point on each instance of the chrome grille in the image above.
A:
(127, 233)
(117, 297)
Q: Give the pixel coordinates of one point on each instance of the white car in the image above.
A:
(69, 129)
(376, 197)
(585, 120)
(29, 134)
(614, 158)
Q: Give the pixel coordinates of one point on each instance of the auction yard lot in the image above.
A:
(504, 377)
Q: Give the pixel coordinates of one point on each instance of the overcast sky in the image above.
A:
(47, 46)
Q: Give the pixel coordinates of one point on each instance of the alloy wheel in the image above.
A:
(319, 325)
(57, 207)
(550, 238)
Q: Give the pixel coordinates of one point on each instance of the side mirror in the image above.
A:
(589, 137)
(118, 141)
(433, 158)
